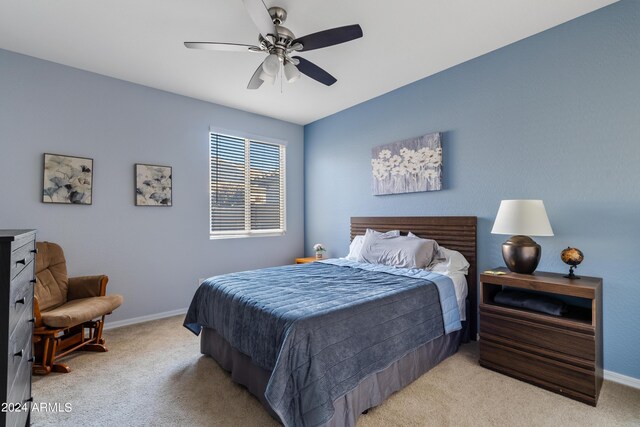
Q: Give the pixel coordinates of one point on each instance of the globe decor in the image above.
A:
(572, 257)
(407, 166)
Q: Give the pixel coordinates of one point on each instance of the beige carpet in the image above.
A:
(154, 375)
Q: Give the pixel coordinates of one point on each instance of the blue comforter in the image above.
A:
(323, 327)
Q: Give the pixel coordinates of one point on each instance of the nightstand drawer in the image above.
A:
(548, 337)
(553, 375)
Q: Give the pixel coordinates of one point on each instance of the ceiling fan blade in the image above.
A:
(329, 37)
(256, 81)
(224, 47)
(312, 70)
(260, 16)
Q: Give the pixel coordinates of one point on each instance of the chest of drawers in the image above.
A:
(17, 278)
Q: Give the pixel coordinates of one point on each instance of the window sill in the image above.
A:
(242, 236)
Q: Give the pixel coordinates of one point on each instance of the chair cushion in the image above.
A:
(52, 282)
(81, 310)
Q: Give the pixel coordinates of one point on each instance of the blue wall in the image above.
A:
(153, 256)
(555, 117)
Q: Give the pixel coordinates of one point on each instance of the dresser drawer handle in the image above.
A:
(18, 354)
(22, 261)
(20, 301)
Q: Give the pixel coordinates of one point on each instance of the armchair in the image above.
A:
(69, 311)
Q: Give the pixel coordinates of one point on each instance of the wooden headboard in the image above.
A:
(453, 232)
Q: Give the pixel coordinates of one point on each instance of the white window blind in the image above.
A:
(247, 187)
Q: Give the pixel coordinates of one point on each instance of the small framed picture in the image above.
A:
(153, 185)
(67, 179)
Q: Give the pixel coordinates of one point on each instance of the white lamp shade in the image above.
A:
(522, 217)
(291, 72)
(267, 78)
(271, 64)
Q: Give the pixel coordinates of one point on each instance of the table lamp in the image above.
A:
(521, 219)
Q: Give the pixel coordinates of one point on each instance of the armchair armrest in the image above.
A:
(87, 286)
(36, 313)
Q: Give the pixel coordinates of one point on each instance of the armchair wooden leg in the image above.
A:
(51, 366)
(99, 330)
(94, 347)
(41, 370)
(43, 366)
(63, 368)
(48, 357)
(96, 336)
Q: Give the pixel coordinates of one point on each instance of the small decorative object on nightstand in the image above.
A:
(521, 219)
(319, 248)
(306, 260)
(572, 257)
(562, 353)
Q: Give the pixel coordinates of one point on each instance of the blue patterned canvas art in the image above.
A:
(153, 185)
(67, 179)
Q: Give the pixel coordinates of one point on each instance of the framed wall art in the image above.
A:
(67, 179)
(153, 185)
(407, 166)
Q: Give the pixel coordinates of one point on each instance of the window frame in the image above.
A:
(248, 138)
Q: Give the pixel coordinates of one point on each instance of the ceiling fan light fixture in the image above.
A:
(291, 72)
(266, 77)
(271, 65)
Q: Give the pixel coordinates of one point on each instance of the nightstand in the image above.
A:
(560, 354)
(307, 260)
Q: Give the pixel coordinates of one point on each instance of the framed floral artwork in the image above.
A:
(67, 179)
(407, 166)
(153, 185)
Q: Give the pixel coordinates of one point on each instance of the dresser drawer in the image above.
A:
(20, 296)
(546, 336)
(19, 351)
(551, 374)
(20, 394)
(21, 257)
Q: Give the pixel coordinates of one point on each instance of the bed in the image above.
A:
(321, 343)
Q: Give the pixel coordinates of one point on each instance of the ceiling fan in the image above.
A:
(280, 43)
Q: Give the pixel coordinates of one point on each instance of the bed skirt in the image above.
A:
(370, 392)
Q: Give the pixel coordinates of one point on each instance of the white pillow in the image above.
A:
(397, 251)
(356, 244)
(449, 261)
(354, 248)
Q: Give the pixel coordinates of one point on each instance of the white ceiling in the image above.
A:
(405, 40)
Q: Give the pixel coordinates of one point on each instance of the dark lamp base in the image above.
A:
(521, 254)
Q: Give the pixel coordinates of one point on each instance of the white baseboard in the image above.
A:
(622, 379)
(147, 318)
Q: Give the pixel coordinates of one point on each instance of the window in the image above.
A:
(247, 187)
